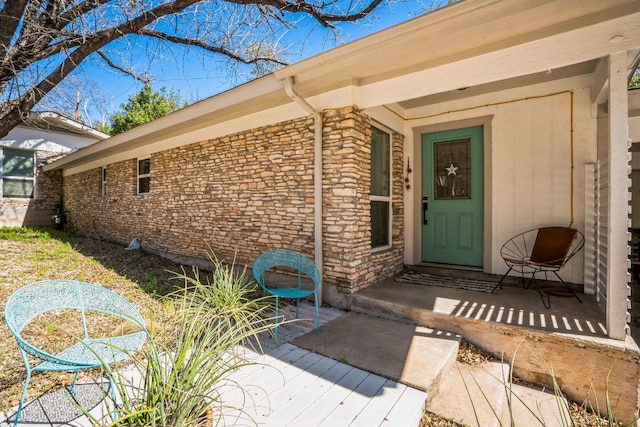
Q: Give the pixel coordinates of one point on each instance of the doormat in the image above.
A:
(446, 282)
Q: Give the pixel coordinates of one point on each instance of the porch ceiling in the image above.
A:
(492, 87)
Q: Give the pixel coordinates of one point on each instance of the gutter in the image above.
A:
(317, 174)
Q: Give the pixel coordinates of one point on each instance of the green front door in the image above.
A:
(453, 196)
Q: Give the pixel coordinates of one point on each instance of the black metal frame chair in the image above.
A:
(541, 250)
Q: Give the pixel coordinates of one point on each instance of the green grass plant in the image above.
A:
(184, 366)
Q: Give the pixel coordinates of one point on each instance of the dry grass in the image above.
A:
(30, 255)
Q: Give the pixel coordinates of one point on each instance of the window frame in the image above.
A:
(386, 199)
(15, 178)
(142, 176)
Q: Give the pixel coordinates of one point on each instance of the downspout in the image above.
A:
(317, 173)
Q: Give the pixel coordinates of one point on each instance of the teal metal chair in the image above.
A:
(36, 299)
(285, 259)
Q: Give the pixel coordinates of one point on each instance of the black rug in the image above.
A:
(446, 282)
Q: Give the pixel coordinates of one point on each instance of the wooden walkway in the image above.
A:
(290, 386)
(286, 386)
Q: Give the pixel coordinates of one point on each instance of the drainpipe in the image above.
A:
(317, 172)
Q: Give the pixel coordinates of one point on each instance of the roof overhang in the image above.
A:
(475, 44)
(55, 122)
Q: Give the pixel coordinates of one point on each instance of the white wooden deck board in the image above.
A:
(346, 412)
(308, 397)
(290, 386)
(408, 409)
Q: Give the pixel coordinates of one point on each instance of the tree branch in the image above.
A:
(130, 73)
(10, 16)
(324, 19)
(214, 49)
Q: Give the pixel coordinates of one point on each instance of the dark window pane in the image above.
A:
(379, 224)
(18, 163)
(452, 169)
(17, 188)
(144, 166)
(144, 185)
(380, 163)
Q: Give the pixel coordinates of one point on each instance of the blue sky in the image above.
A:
(197, 76)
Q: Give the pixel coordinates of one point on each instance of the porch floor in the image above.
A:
(510, 305)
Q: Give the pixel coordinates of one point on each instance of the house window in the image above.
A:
(103, 190)
(380, 193)
(144, 177)
(18, 173)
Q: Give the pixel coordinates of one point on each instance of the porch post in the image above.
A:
(618, 217)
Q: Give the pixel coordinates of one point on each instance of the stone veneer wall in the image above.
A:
(349, 262)
(39, 211)
(242, 194)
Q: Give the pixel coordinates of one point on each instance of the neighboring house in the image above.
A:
(516, 112)
(29, 196)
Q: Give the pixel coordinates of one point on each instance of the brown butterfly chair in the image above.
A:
(541, 250)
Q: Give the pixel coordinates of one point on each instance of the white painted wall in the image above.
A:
(529, 164)
(42, 139)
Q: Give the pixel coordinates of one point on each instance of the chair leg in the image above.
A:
(114, 396)
(546, 299)
(72, 388)
(567, 287)
(501, 280)
(277, 320)
(16, 417)
(315, 299)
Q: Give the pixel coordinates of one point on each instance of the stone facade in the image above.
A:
(249, 192)
(38, 211)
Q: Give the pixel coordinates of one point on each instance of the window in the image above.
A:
(18, 173)
(103, 191)
(144, 177)
(380, 193)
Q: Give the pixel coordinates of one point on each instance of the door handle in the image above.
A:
(425, 208)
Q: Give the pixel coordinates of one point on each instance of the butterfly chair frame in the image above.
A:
(541, 250)
(303, 266)
(36, 299)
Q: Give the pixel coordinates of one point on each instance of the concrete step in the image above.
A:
(530, 407)
(482, 396)
(472, 395)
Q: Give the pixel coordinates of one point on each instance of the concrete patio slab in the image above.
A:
(410, 354)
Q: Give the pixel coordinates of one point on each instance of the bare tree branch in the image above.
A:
(210, 48)
(110, 63)
(44, 41)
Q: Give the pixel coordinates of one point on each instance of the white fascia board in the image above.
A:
(537, 56)
(357, 47)
(263, 118)
(72, 125)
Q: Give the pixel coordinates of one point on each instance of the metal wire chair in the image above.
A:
(36, 299)
(541, 250)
